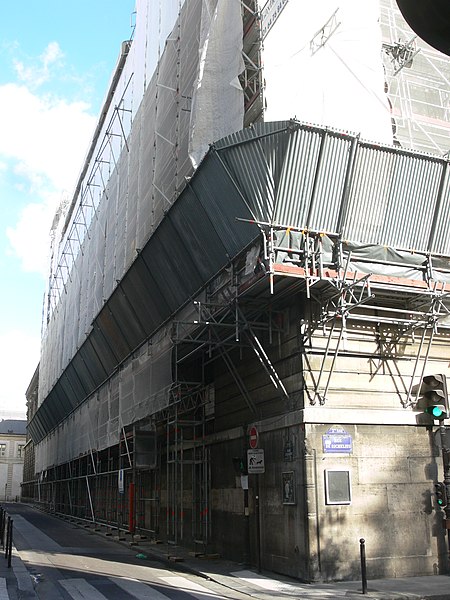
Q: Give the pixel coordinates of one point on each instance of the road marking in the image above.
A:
(275, 585)
(80, 589)
(139, 590)
(265, 582)
(3, 590)
(190, 586)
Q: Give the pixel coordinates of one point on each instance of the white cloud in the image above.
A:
(44, 141)
(30, 237)
(47, 136)
(19, 372)
(36, 75)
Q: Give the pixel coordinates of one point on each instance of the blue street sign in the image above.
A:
(337, 440)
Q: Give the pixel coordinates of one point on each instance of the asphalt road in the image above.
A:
(66, 562)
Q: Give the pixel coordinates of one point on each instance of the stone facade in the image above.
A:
(12, 443)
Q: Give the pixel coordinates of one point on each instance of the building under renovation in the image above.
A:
(249, 286)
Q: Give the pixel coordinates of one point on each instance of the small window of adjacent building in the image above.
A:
(2, 449)
(338, 489)
(20, 450)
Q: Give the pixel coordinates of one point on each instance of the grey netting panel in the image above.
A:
(190, 32)
(143, 173)
(68, 333)
(98, 256)
(123, 204)
(165, 163)
(133, 193)
(139, 390)
(113, 425)
(111, 233)
(93, 275)
(83, 273)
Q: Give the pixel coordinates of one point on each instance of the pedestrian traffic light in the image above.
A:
(434, 393)
(441, 494)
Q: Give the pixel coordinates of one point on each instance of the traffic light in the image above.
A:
(240, 465)
(441, 494)
(434, 393)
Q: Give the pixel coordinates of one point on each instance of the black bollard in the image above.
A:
(10, 542)
(2, 523)
(362, 548)
(7, 537)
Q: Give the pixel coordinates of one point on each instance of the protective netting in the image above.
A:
(139, 160)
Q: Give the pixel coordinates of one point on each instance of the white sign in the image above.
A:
(270, 13)
(255, 461)
(121, 481)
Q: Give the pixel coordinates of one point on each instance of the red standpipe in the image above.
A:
(131, 520)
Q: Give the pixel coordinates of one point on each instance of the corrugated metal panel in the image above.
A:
(326, 204)
(441, 239)
(255, 158)
(393, 198)
(297, 178)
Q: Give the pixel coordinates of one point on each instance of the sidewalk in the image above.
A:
(15, 581)
(270, 586)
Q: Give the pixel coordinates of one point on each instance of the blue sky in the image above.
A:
(56, 60)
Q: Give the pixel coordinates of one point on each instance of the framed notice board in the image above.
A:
(338, 486)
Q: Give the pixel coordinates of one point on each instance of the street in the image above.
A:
(68, 562)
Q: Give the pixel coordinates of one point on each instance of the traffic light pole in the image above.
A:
(446, 464)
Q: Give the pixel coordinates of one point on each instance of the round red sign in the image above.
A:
(253, 437)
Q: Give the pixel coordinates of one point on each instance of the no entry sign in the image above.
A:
(253, 437)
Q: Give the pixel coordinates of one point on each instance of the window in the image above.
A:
(20, 448)
(338, 486)
(2, 449)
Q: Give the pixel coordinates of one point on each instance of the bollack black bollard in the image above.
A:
(362, 548)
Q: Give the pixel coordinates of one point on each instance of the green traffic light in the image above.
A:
(435, 411)
(440, 502)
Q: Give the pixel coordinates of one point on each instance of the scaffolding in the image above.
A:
(417, 82)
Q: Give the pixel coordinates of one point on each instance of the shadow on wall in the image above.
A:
(400, 526)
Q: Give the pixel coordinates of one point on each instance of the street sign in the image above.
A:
(336, 441)
(253, 437)
(255, 461)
